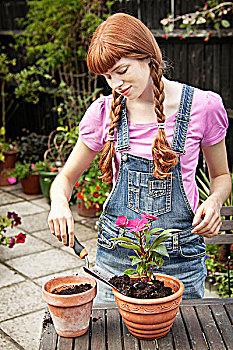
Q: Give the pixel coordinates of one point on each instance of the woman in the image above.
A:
(150, 158)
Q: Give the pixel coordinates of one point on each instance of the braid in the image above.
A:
(164, 157)
(108, 152)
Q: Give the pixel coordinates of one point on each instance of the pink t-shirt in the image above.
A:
(207, 127)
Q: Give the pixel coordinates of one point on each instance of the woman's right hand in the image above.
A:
(61, 222)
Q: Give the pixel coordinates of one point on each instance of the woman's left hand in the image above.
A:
(209, 211)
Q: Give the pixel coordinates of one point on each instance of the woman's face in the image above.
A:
(130, 78)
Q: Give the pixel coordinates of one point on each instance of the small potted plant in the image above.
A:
(70, 300)
(91, 191)
(11, 220)
(28, 175)
(148, 302)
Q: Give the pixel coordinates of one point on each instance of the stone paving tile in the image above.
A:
(46, 236)
(30, 246)
(26, 331)
(27, 196)
(41, 202)
(78, 270)
(12, 188)
(6, 344)
(44, 263)
(6, 198)
(84, 233)
(35, 222)
(7, 276)
(19, 298)
(21, 208)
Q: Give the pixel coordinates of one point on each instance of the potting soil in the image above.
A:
(72, 289)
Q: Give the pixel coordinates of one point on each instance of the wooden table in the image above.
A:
(199, 325)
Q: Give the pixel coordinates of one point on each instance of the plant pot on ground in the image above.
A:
(28, 175)
(149, 302)
(91, 191)
(70, 312)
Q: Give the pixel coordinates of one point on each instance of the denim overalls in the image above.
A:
(136, 191)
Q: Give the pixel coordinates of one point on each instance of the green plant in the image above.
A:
(31, 146)
(148, 254)
(204, 185)
(213, 14)
(11, 220)
(90, 189)
(23, 170)
(4, 146)
(217, 271)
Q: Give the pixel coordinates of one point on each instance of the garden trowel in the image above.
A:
(96, 271)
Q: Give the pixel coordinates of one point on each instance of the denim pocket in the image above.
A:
(104, 237)
(193, 249)
(149, 194)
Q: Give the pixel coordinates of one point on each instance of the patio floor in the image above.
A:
(24, 268)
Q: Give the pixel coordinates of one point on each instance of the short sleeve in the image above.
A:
(215, 120)
(94, 125)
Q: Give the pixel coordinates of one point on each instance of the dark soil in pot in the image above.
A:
(72, 289)
(136, 288)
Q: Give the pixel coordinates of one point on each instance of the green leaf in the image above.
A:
(130, 272)
(225, 23)
(160, 239)
(156, 230)
(161, 249)
(130, 246)
(135, 261)
(125, 239)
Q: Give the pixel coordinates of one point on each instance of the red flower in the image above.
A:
(206, 39)
(80, 196)
(137, 224)
(20, 238)
(76, 184)
(164, 36)
(96, 194)
(98, 187)
(181, 37)
(121, 221)
(12, 243)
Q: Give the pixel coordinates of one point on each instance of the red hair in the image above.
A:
(122, 35)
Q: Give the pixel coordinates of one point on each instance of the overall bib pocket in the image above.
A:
(149, 194)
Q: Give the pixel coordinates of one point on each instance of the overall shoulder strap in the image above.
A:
(182, 120)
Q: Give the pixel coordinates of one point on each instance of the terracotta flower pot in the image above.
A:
(151, 318)
(70, 313)
(10, 159)
(87, 212)
(31, 184)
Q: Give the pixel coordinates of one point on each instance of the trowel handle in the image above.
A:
(79, 249)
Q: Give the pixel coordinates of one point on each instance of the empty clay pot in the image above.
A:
(151, 318)
(70, 313)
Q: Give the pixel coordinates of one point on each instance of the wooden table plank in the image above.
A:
(209, 327)
(64, 343)
(229, 309)
(130, 342)
(114, 330)
(224, 324)
(179, 333)
(193, 328)
(148, 344)
(98, 330)
(82, 342)
(49, 336)
(166, 342)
